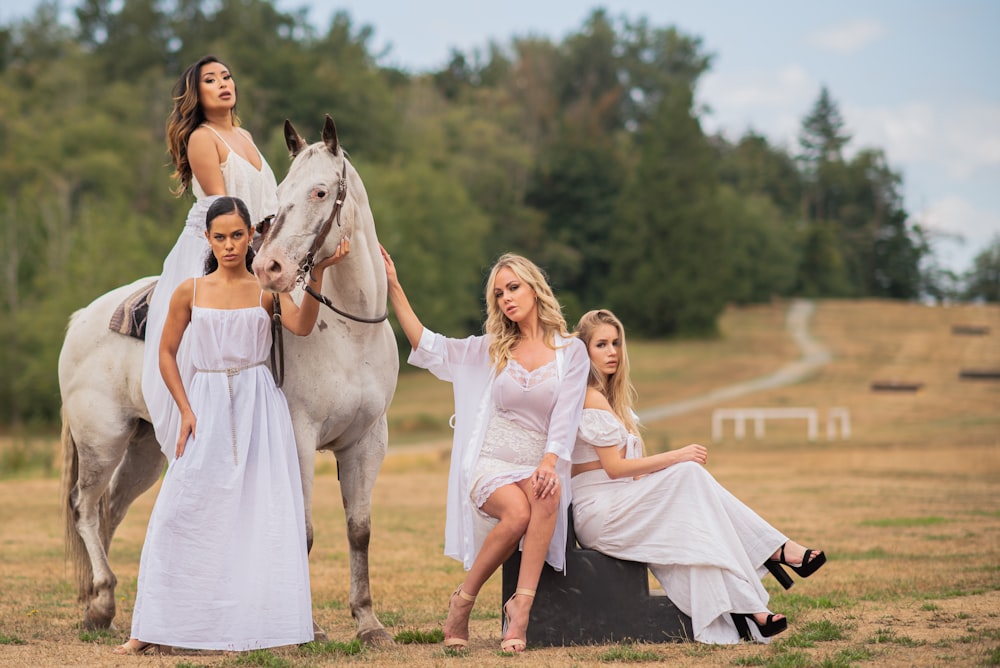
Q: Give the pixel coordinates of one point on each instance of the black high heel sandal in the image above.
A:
(771, 627)
(811, 561)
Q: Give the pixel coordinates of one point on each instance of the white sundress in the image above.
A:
(224, 564)
(705, 546)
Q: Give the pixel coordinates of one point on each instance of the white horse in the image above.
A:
(339, 381)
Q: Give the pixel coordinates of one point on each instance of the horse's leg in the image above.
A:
(141, 467)
(359, 465)
(99, 449)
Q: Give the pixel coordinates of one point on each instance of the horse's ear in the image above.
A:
(293, 140)
(330, 135)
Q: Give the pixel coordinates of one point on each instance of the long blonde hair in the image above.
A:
(503, 332)
(618, 387)
(185, 117)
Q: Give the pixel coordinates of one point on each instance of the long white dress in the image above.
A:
(705, 546)
(224, 564)
(258, 189)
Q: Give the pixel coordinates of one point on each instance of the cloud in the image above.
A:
(769, 101)
(962, 140)
(959, 231)
(847, 38)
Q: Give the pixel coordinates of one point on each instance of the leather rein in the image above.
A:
(309, 262)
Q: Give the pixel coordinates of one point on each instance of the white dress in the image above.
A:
(705, 546)
(258, 189)
(224, 564)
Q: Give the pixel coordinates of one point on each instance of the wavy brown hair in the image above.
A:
(504, 332)
(185, 117)
(618, 387)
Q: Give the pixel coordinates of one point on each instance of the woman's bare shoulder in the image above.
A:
(595, 399)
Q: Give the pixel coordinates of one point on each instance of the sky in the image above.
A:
(915, 78)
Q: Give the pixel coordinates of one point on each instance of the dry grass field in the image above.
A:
(907, 509)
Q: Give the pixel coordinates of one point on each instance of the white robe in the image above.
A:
(466, 364)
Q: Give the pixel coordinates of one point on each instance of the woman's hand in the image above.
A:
(390, 266)
(545, 481)
(343, 249)
(693, 453)
(188, 424)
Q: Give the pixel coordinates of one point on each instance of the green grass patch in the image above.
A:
(849, 656)
(888, 636)
(813, 632)
(103, 636)
(628, 653)
(28, 458)
(867, 555)
(905, 522)
(782, 658)
(332, 648)
(992, 657)
(755, 660)
(415, 637)
(792, 604)
(11, 640)
(390, 617)
(929, 607)
(260, 657)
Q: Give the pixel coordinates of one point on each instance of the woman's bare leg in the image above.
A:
(511, 507)
(541, 525)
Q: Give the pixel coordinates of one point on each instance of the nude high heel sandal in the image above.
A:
(514, 645)
(459, 643)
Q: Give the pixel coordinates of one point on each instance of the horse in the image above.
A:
(339, 382)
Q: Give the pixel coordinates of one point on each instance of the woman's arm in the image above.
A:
(615, 464)
(300, 319)
(178, 317)
(408, 320)
(206, 163)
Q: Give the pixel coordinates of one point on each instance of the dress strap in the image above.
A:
(260, 300)
(206, 125)
(194, 290)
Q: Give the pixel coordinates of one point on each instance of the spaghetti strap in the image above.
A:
(260, 300)
(205, 125)
(194, 290)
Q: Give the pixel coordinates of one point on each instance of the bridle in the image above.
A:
(309, 262)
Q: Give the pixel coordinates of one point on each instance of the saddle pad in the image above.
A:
(130, 316)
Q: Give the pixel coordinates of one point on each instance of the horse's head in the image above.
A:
(316, 209)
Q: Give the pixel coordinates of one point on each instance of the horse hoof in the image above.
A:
(95, 622)
(376, 638)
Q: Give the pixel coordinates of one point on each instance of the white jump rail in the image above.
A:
(739, 416)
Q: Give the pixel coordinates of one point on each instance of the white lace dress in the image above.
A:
(224, 564)
(257, 188)
(705, 546)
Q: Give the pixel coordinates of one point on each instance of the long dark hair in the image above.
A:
(221, 207)
(185, 117)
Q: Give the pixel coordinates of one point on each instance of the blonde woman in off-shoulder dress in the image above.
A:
(706, 547)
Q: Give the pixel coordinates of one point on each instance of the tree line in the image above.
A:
(586, 154)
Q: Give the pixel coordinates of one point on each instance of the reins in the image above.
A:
(307, 264)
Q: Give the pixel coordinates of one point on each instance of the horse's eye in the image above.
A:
(321, 194)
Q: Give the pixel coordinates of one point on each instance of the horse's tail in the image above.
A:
(76, 550)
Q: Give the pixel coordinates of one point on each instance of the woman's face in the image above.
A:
(514, 298)
(604, 349)
(216, 87)
(229, 238)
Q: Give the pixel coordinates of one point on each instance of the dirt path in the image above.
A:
(814, 355)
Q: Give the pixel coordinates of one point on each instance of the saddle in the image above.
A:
(130, 316)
